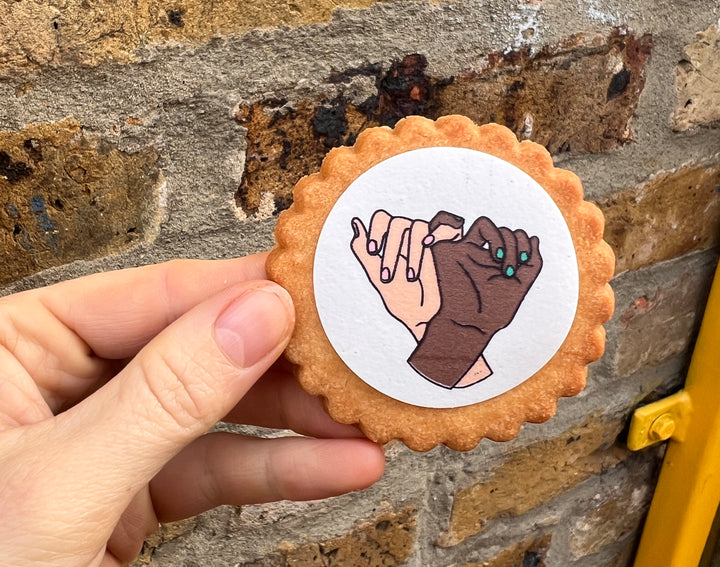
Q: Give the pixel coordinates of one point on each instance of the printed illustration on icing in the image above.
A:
(445, 276)
(452, 290)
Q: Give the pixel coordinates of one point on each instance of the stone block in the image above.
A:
(540, 472)
(578, 95)
(697, 81)
(670, 215)
(66, 196)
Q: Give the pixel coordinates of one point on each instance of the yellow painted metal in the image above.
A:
(688, 491)
(660, 421)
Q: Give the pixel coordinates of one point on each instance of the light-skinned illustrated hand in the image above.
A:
(108, 387)
(395, 254)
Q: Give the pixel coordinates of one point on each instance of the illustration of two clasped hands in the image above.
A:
(452, 291)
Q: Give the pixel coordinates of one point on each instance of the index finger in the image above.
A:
(484, 231)
(117, 313)
(72, 337)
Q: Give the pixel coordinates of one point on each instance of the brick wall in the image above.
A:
(134, 132)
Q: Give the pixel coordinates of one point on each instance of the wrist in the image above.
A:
(478, 372)
(418, 330)
(447, 351)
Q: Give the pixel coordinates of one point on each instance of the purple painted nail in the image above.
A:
(428, 240)
(372, 246)
(410, 274)
(385, 275)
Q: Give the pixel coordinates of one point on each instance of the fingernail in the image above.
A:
(524, 256)
(253, 325)
(372, 246)
(356, 230)
(500, 253)
(410, 274)
(428, 240)
(509, 271)
(385, 275)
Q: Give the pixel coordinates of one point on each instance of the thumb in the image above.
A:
(184, 381)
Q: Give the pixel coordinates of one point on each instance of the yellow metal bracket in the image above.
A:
(665, 419)
(688, 491)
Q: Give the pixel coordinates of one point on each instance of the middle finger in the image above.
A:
(278, 401)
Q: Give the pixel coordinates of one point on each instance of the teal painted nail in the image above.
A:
(524, 256)
(509, 271)
(500, 253)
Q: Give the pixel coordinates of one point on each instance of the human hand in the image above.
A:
(108, 385)
(395, 254)
(483, 279)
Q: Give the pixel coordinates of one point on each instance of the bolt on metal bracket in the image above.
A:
(659, 421)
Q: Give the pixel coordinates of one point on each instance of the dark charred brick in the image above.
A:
(343, 77)
(405, 90)
(282, 146)
(618, 84)
(33, 148)
(175, 17)
(282, 203)
(13, 170)
(558, 96)
(575, 96)
(82, 198)
(330, 124)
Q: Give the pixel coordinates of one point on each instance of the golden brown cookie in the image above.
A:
(450, 283)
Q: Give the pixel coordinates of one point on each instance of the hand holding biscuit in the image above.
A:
(110, 384)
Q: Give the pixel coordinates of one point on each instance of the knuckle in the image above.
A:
(400, 223)
(178, 387)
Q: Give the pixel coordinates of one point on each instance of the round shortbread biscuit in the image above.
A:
(449, 283)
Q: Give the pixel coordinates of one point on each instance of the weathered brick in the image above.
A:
(670, 215)
(528, 553)
(543, 470)
(617, 513)
(35, 32)
(578, 95)
(386, 541)
(66, 196)
(697, 81)
(663, 319)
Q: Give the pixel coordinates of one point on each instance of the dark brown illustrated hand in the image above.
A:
(483, 279)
